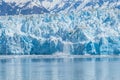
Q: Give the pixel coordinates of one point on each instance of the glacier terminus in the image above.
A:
(46, 27)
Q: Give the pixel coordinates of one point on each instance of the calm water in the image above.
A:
(60, 69)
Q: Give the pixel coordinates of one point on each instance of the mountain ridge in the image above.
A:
(25, 7)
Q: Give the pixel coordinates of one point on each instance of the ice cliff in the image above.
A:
(77, 30)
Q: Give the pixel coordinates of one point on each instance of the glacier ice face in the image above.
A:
(91, 31)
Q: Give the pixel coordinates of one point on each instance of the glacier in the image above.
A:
(92, 31)
(46, 27)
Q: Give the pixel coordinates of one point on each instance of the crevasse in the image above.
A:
(91, 31)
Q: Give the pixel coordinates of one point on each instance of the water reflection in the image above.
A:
(60, 69)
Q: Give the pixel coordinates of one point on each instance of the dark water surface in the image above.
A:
(60, 68)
